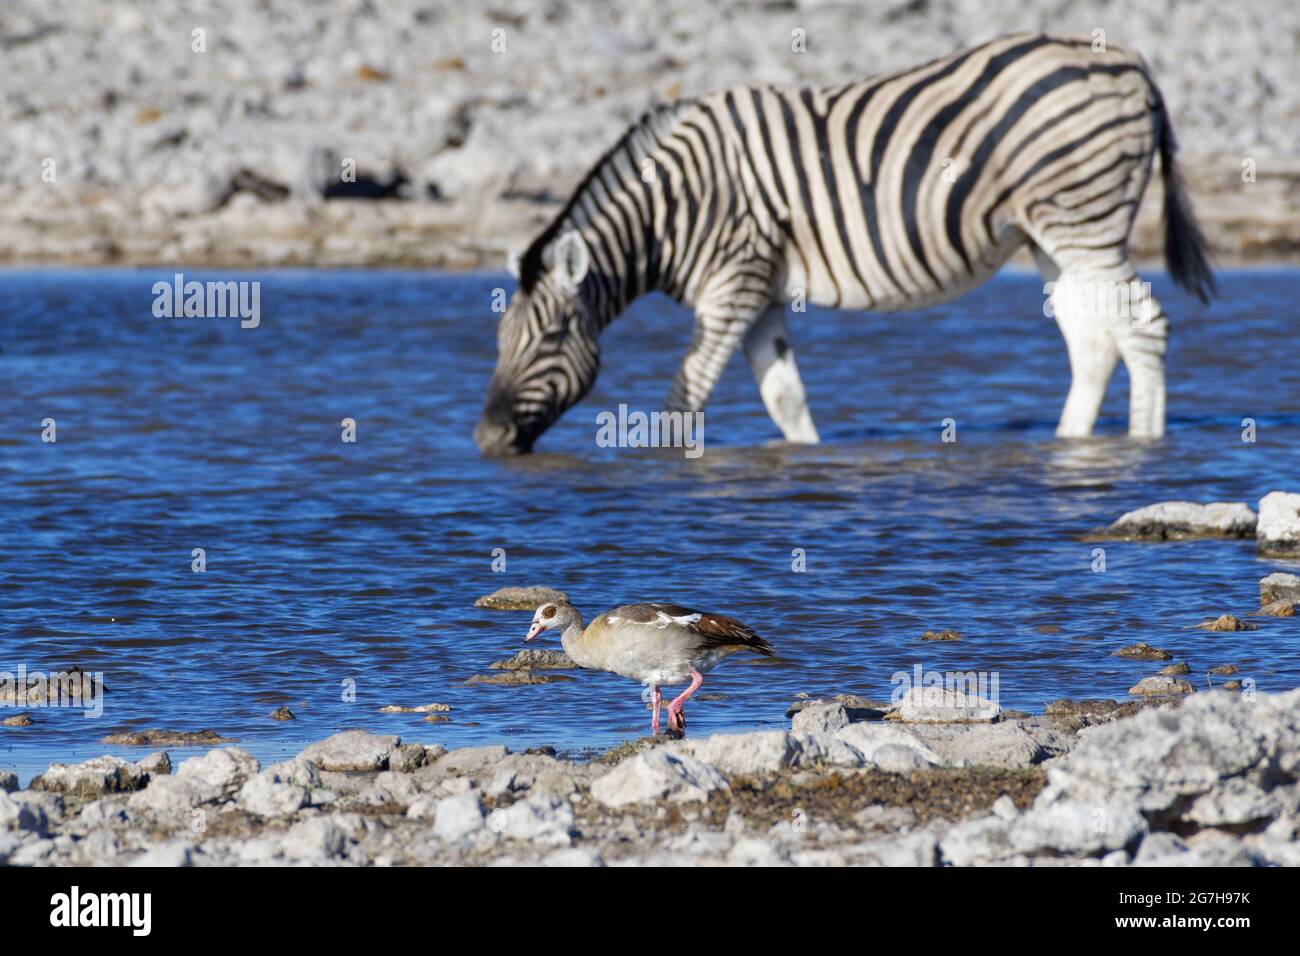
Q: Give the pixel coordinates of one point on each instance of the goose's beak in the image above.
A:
(533, 631)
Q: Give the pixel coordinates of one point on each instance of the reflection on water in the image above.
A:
(333, 566)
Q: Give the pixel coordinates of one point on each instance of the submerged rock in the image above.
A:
(167, 738)
(520, 599)
(1278, 532)
(517, 678)
(421, 709)
(17, 720)
(1160, 686)
(1174, 670)
(532, 658)
(1064, 707)
(1227, 622)
(1181, 520)
(1142, 651)
(941, 636)
(283, 713)
(855, 706)
(1283, 608)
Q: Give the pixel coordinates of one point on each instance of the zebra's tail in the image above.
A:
(1185, 252)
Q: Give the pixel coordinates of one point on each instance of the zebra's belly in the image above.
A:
(914, 289)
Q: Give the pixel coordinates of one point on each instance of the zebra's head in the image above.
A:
(547, 352)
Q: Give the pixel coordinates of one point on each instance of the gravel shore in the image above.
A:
(1211, 780)
(126, 137)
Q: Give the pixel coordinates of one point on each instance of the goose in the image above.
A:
(652, 643)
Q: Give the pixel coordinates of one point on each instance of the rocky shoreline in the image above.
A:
(1211, 780)
(426, 133)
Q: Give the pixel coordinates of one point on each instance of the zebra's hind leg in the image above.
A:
(1142, 342)
(767, 346)
(1089, 343)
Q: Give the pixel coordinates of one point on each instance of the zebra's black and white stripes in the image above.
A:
(889, 194)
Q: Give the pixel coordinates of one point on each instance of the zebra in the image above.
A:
(888, 194)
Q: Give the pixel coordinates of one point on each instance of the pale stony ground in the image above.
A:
(1210, 781)
(161, 154)
(1176, 777)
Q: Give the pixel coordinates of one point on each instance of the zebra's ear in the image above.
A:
(567, 259)
(512, 261)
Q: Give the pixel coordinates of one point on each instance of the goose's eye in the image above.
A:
(548, 611)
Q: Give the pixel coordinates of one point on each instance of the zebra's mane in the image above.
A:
(531, 265)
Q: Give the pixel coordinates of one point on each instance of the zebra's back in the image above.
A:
(911, 188)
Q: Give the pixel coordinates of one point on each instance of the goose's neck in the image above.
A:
(569, 638)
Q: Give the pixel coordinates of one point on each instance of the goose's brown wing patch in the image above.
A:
(714, 630)
(722, 631)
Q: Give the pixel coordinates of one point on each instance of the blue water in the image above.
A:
(330, 563)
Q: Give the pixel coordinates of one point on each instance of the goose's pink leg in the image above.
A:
(674, 709)
(658, 700)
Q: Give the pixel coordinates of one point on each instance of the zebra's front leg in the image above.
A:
(767, 346)
(713, 342)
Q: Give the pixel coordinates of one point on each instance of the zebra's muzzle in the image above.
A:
(500, 438)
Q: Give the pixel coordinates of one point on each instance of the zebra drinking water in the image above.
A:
(889, 194)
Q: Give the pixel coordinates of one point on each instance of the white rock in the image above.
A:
(225, 769)
(21, 815)
(352, 750)
(976, 841)
(1235, 802)
(759, 752)
(158, 763)
(656, 775)
(1160, 685)
(264, 796)
(1278, 531)
(1070, 827)
(540, 818)
(910, 849)
(99, 813)
(753, 851)
(298, 771)
(820, 718)
(1279, 586)
(942, 705)
(1004, 808)
(1187, 519)
(888, 747)
(470, 760)
(92, 778)
(172, 795)
(457, 817)
(315, 838)
(573, 857)
(173, 853)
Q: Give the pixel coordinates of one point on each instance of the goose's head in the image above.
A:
(552, 615)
